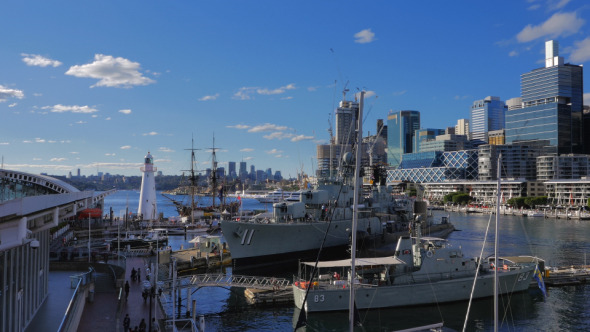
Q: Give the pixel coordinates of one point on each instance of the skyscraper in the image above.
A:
(231, 169)
(462, 127)
(400, 133)
(552, 100)
(486, 115)
(346, 114)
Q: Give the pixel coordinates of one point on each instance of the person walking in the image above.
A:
(126, 323)
(139, 274)
(126, 289)
(155, 326)
(142, 325)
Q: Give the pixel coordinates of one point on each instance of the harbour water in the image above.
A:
(559, 242)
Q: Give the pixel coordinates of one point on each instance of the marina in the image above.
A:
(559, 242)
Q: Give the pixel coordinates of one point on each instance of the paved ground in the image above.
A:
(106, 312)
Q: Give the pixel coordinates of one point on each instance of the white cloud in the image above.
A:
(245, 93)
(4, 143)
(111, 72)
(6, 93)
(72, 108)
(368, 94)
(274, 151)
(277, 91)
(108, 118)
(81, 122)
(125, 147)
(151, 133)
(557, 4)
(127, 111)
(57, 159)
(266, 127)
(278, 135)
(39, 60)
(165, 149)
(513, 53)
(246, 150)
(248, 158)
(400, 93)
(12, 105)
(364, 36)
(581, 52)
(301, 138)
(560, 24)
(110, 154)
(238, 126)
(207, 98)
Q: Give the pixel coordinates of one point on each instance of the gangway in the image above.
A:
(224, 280)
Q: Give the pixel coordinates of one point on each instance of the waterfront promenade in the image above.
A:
(106, 312)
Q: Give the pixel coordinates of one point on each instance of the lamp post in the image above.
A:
(89, 237)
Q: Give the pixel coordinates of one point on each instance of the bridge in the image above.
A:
(223, 280)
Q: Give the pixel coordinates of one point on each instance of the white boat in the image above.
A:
(536, 213)
(275, 196)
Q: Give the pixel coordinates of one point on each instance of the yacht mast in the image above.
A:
(496, 259)
(357, 184)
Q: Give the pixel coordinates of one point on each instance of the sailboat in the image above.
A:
(423, 270)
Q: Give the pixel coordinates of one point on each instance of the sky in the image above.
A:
(96, 85)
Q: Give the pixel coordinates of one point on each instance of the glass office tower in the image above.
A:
(552, 100)
(401, 126)
(486, 115)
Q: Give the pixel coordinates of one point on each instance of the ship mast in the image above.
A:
(214, 173)
(357, 184)
(193, 179)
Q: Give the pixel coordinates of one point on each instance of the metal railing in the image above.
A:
(73, 313)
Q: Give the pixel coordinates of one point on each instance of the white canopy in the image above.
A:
(391, 260)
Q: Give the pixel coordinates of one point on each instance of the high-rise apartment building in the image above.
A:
(401, 127)
(346, 115)
(552, 103)
(231, 169)
(486, 115)
(462, 127)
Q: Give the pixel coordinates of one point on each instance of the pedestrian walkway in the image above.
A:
(106, 312)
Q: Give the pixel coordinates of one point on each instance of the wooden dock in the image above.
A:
(567, 276)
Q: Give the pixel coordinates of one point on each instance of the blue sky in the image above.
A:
(96, 85)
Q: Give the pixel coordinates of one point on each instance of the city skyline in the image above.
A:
(93, 87)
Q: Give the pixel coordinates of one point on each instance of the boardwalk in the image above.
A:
(106, 312)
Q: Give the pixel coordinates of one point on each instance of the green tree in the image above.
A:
(461, 199)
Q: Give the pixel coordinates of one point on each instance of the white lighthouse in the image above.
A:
(147, 197)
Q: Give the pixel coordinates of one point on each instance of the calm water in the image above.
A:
(559, 242)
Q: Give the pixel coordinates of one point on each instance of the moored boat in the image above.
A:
(426, 271)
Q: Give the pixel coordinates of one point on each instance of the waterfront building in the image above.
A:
(568, 192)
(30, 206)
(565, 166)
(552, 103)
(401, 127)
(435, 166)
(486, 115)
(148, 209)
(518, 161)
(496, 137)
(423, 135)
(482, 192)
